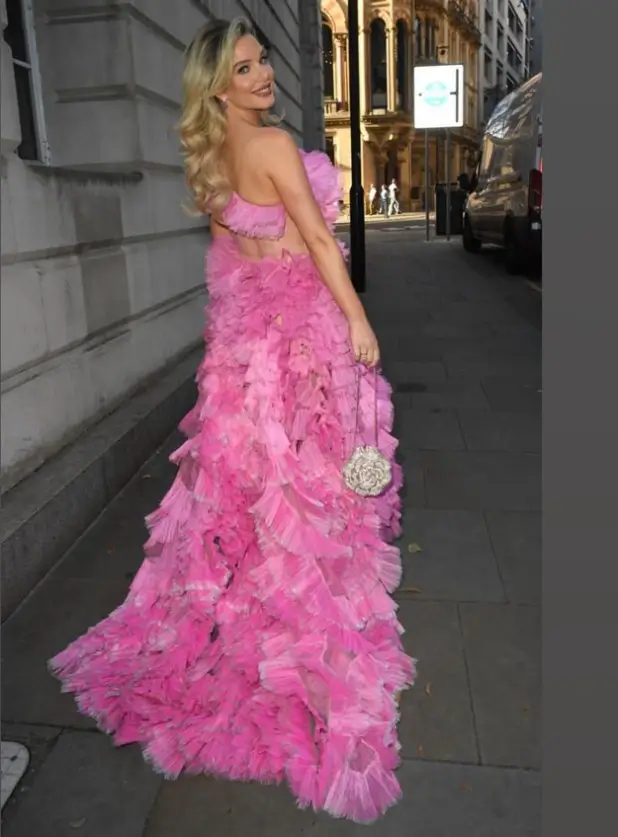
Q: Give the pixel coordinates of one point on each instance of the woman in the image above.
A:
(258, 640)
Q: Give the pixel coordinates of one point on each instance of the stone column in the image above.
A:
(391, 64)
(403, 158)
(345, 71)
(311, 74)
(382, 163)
(340, 68)
(364, 74)
(410, 70)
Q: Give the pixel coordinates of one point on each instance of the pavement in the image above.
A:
(378, 218)
(462, 346)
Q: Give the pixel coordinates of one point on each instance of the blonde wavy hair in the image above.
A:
(209, 60)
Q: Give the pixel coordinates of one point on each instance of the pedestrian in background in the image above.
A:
(383, 199)
(372, 198)
(393, 203)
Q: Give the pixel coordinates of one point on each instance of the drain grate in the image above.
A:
(15, 758)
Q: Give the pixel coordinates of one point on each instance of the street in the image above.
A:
(461, 343)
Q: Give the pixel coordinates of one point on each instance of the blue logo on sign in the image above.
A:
(436, 94)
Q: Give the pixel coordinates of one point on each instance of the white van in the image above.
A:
(505, 194)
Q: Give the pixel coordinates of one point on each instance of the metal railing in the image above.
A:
(333, 107)
(459, 14)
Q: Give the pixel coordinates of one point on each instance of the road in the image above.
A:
(415, 228)
(462, 347)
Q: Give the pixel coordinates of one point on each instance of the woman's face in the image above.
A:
(252, 84)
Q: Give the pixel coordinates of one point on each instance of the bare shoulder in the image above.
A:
(274, 147)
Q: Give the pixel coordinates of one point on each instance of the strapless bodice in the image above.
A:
(268, 221)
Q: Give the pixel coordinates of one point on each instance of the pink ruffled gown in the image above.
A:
(258, 639)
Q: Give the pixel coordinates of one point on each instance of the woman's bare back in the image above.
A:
(244, 162)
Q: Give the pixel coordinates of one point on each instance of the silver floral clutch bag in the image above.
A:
(367, 472)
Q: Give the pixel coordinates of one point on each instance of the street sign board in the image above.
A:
(439, 96)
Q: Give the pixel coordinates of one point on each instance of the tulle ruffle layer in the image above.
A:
(259, 639)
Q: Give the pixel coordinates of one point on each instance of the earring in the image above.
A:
(223, 103)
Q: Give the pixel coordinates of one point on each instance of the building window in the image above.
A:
(418, 37)
(487, 65)
(402, 63)
(473, 68)
(520, 30)
(512, 17)
(328, 65)
(19, 35)
(489, 24)
(430, 39)
(512, 57)
(378, 65)
(330, 149)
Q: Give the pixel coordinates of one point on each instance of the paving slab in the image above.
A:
(421, 429)
(38, 740)
(482, 480)
(476, 363)
(454, 328)
(474, 312)
(448, 395)
(112, 549)
(503, 651)
(398, 321)
(404, 372)
(457, 562)
(504, 344)
(437, 348)
(436, 713)
(90, 788)
(512, 396)
(439, 800)
(517, 542)
(416, 349)
(55, 614)
(522, 327)
(489, 431)
(413, 491)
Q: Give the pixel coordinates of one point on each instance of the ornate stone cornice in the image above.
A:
(430, 6)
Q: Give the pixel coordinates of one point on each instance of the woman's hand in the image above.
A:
(364, 343)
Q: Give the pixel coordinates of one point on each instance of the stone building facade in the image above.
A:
(394, 36)
(504, 62)
(536, 36)
(102, 272)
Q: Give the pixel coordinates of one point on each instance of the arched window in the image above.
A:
(403, 64)
(427, 39)
(330, 149)
(378, 65)
(433, 39)
(418, 38)
(328, 67)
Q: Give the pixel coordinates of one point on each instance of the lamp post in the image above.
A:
(357, 196)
